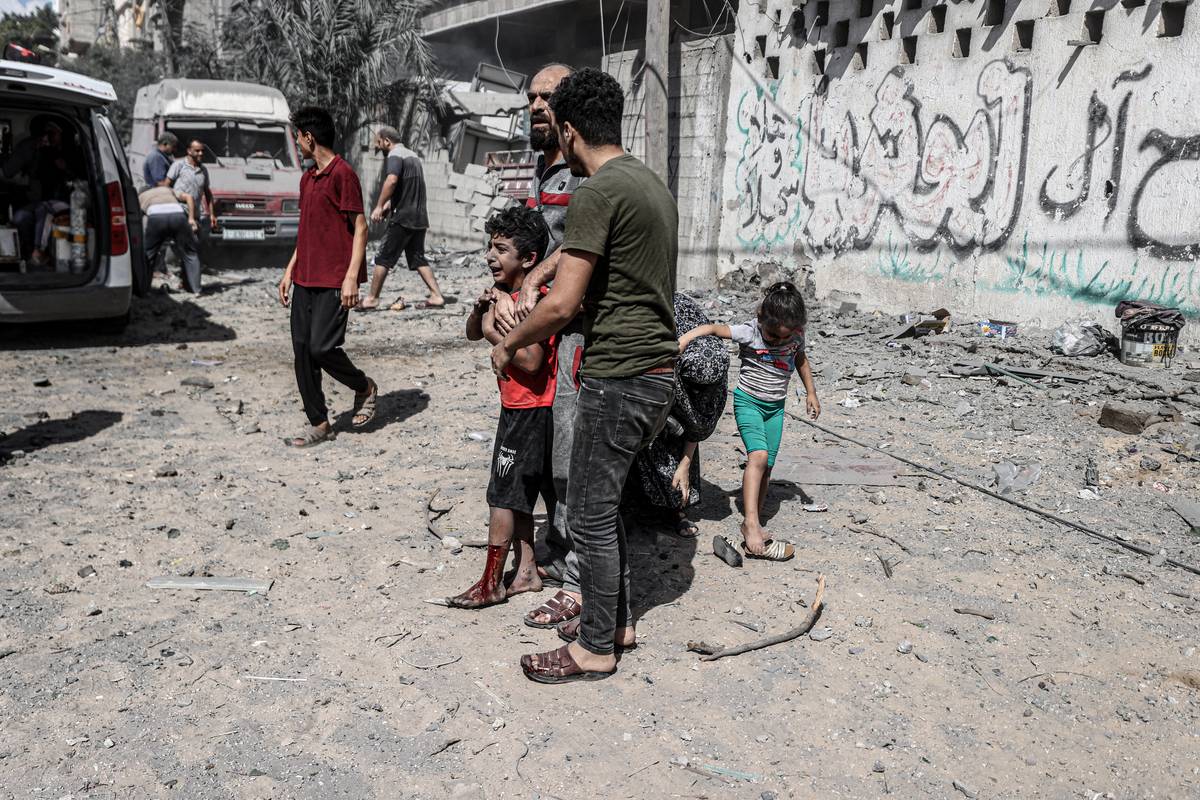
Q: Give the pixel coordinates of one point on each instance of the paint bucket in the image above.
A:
(1149, 333)
(1149, 345)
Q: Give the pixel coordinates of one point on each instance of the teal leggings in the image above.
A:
(760, 422)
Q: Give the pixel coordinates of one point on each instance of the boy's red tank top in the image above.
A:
(531, 390)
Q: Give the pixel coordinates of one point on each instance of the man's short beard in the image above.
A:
(541, 140)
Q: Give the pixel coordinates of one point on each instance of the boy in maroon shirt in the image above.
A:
(525, 430)
(324, 275)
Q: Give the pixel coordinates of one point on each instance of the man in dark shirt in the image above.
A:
(403, 193)
(158, 160)
(618, 258)
(323, 277)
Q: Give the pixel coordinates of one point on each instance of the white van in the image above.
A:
(70, 225)
(249, 151)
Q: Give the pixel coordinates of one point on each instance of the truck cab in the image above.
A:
(249, 150)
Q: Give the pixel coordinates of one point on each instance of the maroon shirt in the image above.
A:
(329, 199)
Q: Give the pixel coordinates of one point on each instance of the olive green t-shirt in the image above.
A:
(626, 215)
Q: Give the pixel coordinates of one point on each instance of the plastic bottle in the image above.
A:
(79, 201)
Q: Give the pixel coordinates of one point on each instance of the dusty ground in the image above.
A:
(1085, 684)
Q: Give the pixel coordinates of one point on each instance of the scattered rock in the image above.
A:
(229, 523)
(174, 533)
(280, 544)
(878, 767)
(1150, 465)
(109, 743)
(820, 634)
(124, 562)
(966, 790)
(166, 472)
(42, 383)
(86, 572)
(197, 382)
(1125, 418)
(904, 648)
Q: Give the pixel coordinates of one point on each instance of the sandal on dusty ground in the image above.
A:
(724, 550)
(364, 405)
(773, 550)
(557, 666)
(686, 529)
(569, 632)
(557, 609)
(312, 436)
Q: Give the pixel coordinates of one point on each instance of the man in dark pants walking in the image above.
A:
(618, 258)
(402, 203)
(323, 277)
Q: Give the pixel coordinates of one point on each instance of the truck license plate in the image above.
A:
(245, 234)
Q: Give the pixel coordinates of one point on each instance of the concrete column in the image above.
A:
(658, 53)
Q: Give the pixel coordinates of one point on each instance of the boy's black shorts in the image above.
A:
(521, 459)
(399, 240)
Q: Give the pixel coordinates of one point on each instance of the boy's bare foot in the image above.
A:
(754, 537)
(522, 580)
(479, 596)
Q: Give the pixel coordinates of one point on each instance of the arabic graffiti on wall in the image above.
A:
(941, 184)
(924, 183)
(768, 170)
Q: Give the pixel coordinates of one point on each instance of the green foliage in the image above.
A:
(344, 55)
(127, 69)
(36, 30)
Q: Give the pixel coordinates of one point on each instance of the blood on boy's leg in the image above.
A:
(489, 589)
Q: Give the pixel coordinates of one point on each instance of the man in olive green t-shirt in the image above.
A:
(617, 258)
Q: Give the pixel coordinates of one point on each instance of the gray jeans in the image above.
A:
(615, 418)
(174, 229)
(561, 558)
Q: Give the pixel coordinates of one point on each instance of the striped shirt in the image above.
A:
(549, 192)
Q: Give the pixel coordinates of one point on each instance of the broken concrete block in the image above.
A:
(475, 170)
(1126, 418)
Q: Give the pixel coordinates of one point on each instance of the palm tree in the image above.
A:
(344, 55)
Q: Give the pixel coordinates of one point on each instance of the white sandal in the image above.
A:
(773, 550)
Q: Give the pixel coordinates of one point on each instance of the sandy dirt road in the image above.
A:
(1082, 680)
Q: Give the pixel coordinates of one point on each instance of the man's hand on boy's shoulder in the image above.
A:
(505, 312)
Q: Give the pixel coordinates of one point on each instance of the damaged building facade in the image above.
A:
(1031, 160)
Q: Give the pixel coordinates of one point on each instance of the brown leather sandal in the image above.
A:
(559, 609)
(557, 666)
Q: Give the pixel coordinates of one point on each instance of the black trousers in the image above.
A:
(318, 333)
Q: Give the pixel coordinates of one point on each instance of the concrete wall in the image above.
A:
(698, 92)
(985, 156)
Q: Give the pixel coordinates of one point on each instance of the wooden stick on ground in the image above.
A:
(814, 611)
(430, 523)
(873, 532)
